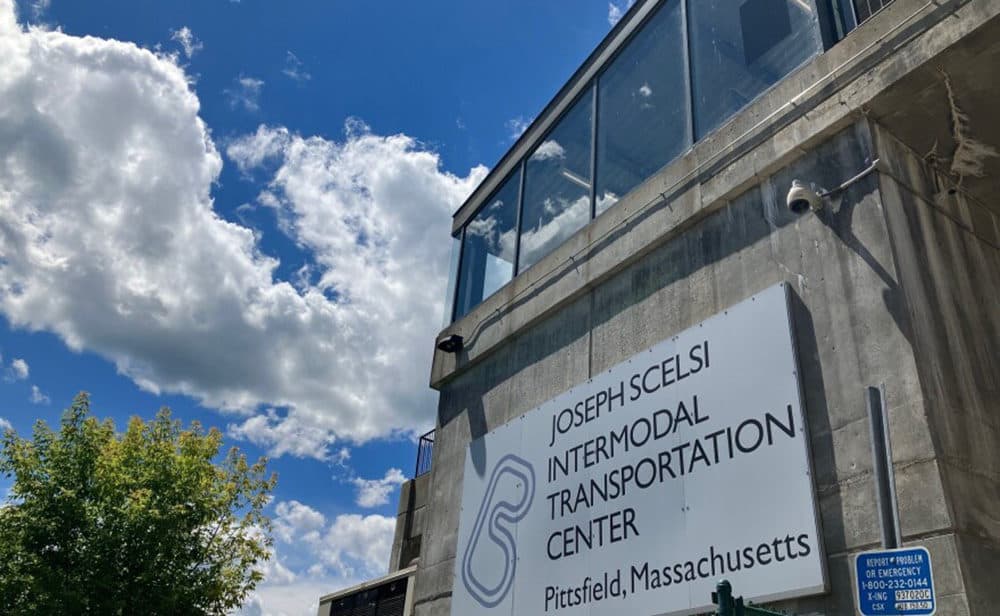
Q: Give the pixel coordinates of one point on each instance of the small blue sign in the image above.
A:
(895, 582)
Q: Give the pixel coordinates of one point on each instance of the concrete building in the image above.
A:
(653, 192)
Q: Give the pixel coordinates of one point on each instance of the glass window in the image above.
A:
(557, 184)
(488, 247)
(867, 8)
(643, 109)
(741, 48)
(449, 302)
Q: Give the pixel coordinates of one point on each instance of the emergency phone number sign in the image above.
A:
(895, 582)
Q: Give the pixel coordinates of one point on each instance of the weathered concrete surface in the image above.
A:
(852, 330)
(948, 247)
(410, 523)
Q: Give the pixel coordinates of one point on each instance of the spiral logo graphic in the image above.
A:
(497, 519)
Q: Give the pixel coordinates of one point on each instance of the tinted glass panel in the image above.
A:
(488, 247)
(739, 48)
(642, 107)
(449, 301)
(557, 184)
(867, 8)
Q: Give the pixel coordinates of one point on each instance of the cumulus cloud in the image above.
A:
(351, 544)
(37, 397)
(376, 492)
(190, 44)
(292, 434)
(5, 425)
(295, 520)
(357, 545)
(109, 239)
(299, 598)
(371, 210)
(342, 552)
(618, 9)
(245, 93)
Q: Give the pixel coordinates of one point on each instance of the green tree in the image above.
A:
(151, 521)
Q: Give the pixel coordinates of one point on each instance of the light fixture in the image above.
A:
(451, 343)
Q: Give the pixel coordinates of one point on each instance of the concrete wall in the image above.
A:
(853, 328)
(948, 248)
(410, 521)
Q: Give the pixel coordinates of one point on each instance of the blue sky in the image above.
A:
(240, 210)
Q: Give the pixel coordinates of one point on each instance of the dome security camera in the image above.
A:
(802, 198)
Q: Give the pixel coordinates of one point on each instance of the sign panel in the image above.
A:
(636, 491)
(895, 582)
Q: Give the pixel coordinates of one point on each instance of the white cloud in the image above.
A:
(37, 397)
(299, 598)
(549, 149)
(19, 369)
(617, 9)
(372, 211)
(292, 434)
(350, 546)
(5, 425)
(110, 240)
(295, 520)
(346, 551)
(376, 492)
(565, 218)
(252, 151)
(356, 545)
(341, 456)
(517, 126)
(245, 93)
(187, 40)
(295, 69)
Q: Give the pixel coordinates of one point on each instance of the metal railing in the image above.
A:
(425, 451)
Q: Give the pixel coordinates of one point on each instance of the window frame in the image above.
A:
(832, 26)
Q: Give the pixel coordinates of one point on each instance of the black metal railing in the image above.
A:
(727, 605)
(425, 451)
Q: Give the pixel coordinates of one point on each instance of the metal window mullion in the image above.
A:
(688, 71)
(849, 26)
(520, 216)
(458, 275)
(593, 147)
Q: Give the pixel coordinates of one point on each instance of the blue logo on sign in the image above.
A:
(496, 519)
(895, 583)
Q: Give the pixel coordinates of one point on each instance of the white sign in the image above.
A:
(635, 492)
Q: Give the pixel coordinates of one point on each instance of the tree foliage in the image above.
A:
(151, 521)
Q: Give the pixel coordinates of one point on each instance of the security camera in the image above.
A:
(451, 343)
(802, 198)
